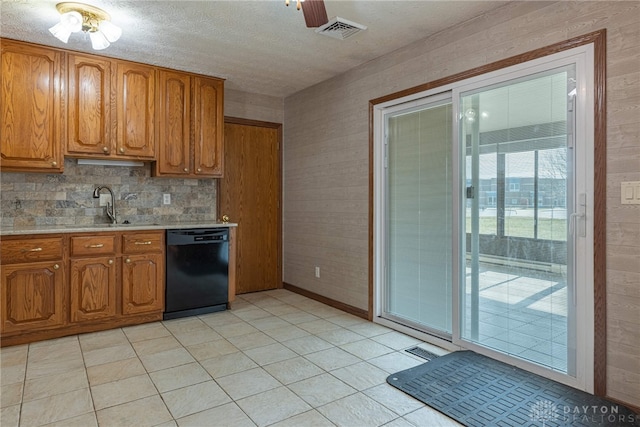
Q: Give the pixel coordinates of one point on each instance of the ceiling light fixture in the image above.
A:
(298, 3)
(96, 22)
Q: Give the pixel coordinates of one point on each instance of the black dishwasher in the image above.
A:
(197, 272)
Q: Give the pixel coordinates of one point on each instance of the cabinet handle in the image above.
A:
(110, 262)
(54, 164)
(32, 250)
(99, 245)
(105, 149)
(185, 169)
(127, 260)
(56, 266)
(121, 149)
(148, 242)
(199, 170)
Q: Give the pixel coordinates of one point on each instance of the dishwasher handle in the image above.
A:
(197, 236)
(210, 238)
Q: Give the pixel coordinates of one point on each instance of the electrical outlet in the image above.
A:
(104, 198)
(317, 272)
(166, 199)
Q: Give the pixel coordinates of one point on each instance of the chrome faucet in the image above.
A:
(111, 207)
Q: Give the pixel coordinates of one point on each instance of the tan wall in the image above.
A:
(253, 106)
(326, 151)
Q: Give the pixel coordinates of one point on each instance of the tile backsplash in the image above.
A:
(32, 199)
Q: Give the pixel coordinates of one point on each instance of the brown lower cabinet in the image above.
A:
(92, 277)
(57, 285)
(32, 296)
(33, 284)
(142, 271)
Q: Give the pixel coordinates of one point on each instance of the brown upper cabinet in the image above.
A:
(135, 106)
(111, 108)
(57, 102)
(174, 126)
(89, 119)
(31, 108)
(190, 129)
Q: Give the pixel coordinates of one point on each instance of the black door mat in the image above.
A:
(422, 353)
(478, 391)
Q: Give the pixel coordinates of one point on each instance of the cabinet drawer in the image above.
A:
(93, 245)
(29, 250)
(133, 243)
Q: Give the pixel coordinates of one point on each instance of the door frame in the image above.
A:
(598, 39)
(278, 128)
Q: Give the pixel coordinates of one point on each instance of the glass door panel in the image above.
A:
(418, 226)
(518, 283)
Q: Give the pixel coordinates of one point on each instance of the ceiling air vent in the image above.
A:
(340, 28)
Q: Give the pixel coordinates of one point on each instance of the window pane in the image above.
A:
(487, 193)
(552, 194)
(519, 194)
(419, 218)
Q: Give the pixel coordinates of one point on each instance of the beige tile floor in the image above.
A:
(277, 359)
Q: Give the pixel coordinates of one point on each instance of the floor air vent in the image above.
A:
(340, 28)
(420, 352)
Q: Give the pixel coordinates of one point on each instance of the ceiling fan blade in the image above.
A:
(315, 13)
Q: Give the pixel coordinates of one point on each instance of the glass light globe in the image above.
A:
(98, 40)
(111, 32)
(72, 20)
(60, 32)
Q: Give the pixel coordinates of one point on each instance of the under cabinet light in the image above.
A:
(101, 162)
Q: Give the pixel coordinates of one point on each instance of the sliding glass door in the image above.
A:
(518, 286)
(483, 215)
(419, 217)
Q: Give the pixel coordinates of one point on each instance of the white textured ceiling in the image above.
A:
(258, 46)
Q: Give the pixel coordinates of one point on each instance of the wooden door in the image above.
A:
(32, 296)
(135, 106)
(250, 195)
(89, 120)
(31, 108)
(174, 124)
(208, 124)
(93, 288)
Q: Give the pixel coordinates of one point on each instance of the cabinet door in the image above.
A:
(32, 296)
(89, 119)
(174, 125)
(142, 283)
(30, 108)
(135, 106)
(208, 124)
(93, 288)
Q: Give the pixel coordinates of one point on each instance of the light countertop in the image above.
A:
(75, 228)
